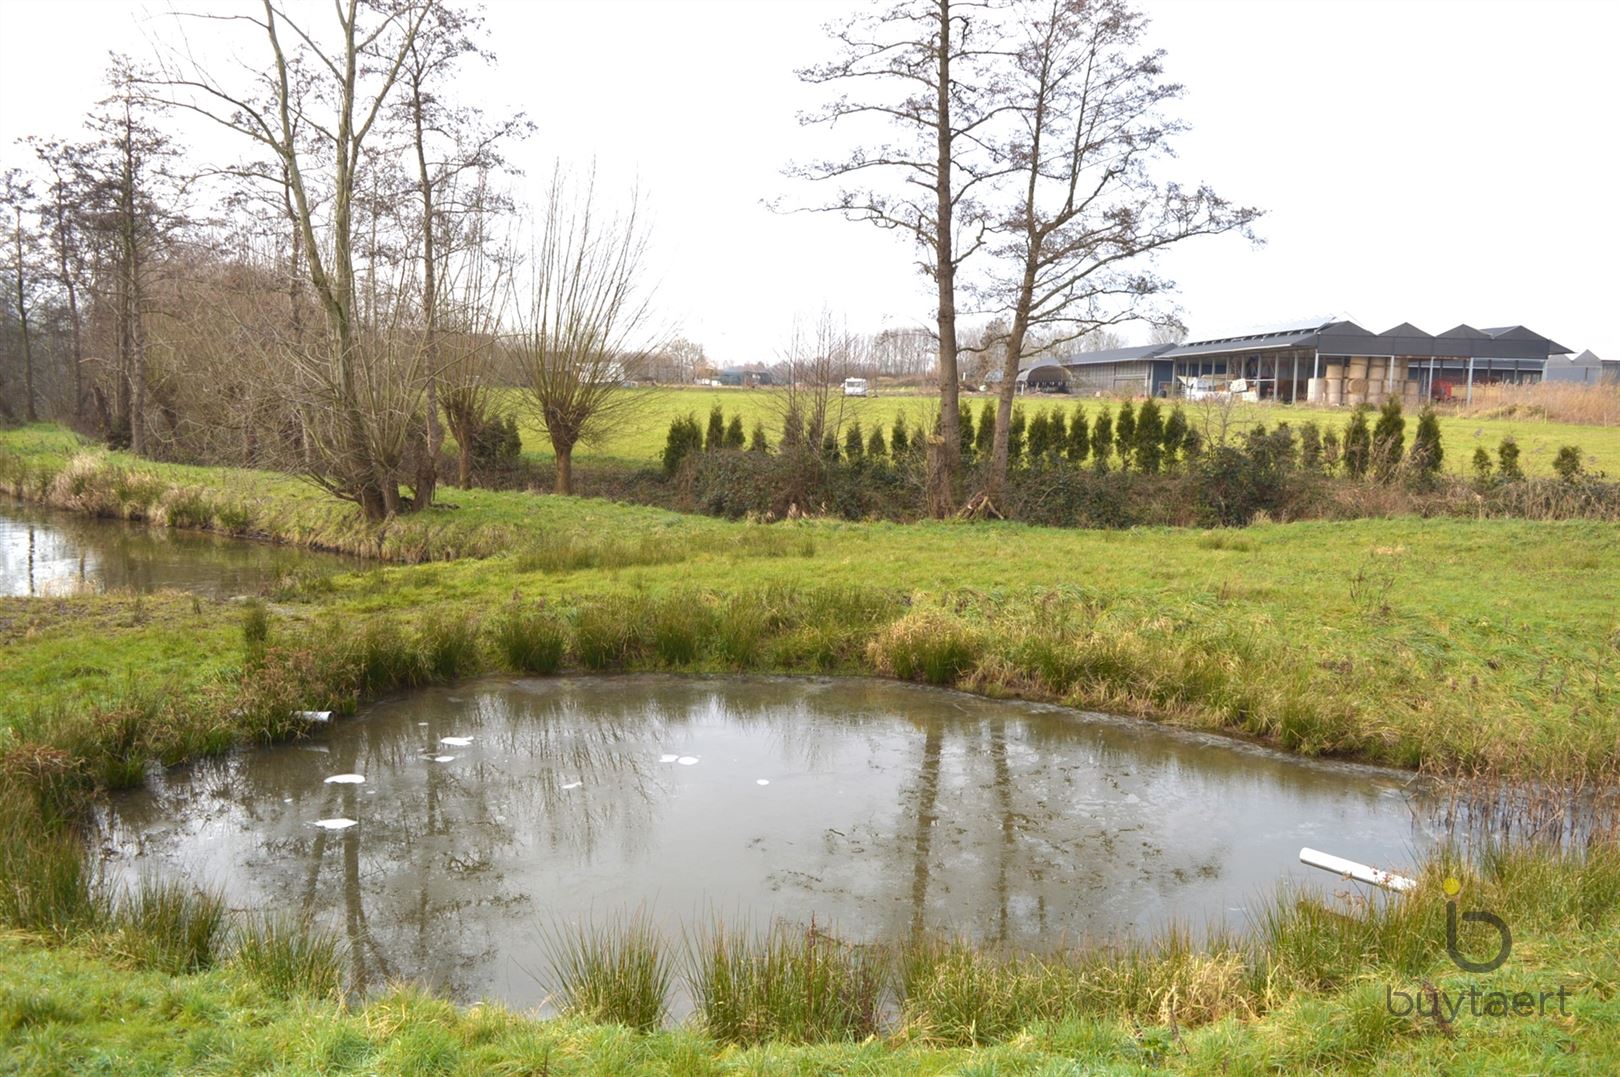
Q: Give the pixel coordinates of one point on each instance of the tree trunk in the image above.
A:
(428, 472)
(463, 463)
(565, 469)
(947, 451)
(29, 413)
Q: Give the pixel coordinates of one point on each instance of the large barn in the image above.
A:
(1335, 362)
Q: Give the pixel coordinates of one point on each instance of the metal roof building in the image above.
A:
(1332, 362)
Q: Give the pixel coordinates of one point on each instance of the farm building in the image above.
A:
(1584, 369)
(740, 376)
(1335, 362)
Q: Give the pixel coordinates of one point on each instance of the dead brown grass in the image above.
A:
(1563, 402)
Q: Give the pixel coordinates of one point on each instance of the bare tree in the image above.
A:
(363, 389)
(62, 219)
(919, 65)
(17, 201)
(1089, 214)
(588, 310)
(446, 142)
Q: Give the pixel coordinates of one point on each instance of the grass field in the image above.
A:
(1488, 645)
(641, 439)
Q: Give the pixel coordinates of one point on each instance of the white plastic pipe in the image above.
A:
(1349, 869)
(313, 716)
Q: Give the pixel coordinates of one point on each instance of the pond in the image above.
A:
(487, 815)
(49, 552)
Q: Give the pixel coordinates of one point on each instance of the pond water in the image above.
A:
(494, 812)
(49, 552)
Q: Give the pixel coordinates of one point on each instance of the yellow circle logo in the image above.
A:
(1452, 886)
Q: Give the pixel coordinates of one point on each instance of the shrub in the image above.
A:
(874, 445)
(684, 438)
(1040, 436)
(1427, 454)
(1125, 433)
(734, 433)
(1357, 443)
(899, 440)
(1149, 437)
(1079, 441)
(1568, 462)
(964, 419)
(1060, 433)
(1310, 446)
(985, 438)
(496, 442)
(1175, 433)
(1015, 436)
(1482, 464)
(1388, 440)
(715, 438)
(530, 640)
(1102, 440)
(757, 442)
(1507, 460)
(854, 442)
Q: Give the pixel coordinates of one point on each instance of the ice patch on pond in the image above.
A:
(442, 758)
(667, 758)
(573, 785)
(687, 760)
(334, 824)
(346, 779)
(456, 742)
(762, 781)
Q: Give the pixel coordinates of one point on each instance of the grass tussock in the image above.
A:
(170, 927)
(290, 956)
(529, 640)
(787, 984)
(927, 645)
(616, 973)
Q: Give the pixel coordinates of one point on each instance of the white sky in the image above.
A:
(1427, 162)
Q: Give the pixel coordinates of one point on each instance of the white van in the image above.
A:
(857, 387)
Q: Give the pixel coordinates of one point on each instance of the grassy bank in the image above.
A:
(1319, 989)
(1476, 645)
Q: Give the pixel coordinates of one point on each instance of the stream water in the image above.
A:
(49, 552)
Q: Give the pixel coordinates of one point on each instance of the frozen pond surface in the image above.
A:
(487, 813)
(48, 552)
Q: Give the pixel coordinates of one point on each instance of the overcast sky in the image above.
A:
(1426, 162)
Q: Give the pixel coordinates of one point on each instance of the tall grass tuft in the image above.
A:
(680, 624)
(612, 633)
(530, 640)
(170, 927)
(799, 985)
(449, 647)
(46, 884)
(290, 956)
(618, 973)
(928, 645)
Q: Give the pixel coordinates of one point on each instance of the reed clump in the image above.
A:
(530, 639)
(290, 956)
(170, 927)
(619, 972)
(787, 984)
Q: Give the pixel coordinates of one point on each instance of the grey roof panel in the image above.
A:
(1406, 329)
(1464, 332)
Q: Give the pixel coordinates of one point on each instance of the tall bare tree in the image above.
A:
(17, 202)
(63, 224)
(1088, 214)
(447, 142)
(364, 388)
(919, 67)
(588, 310)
